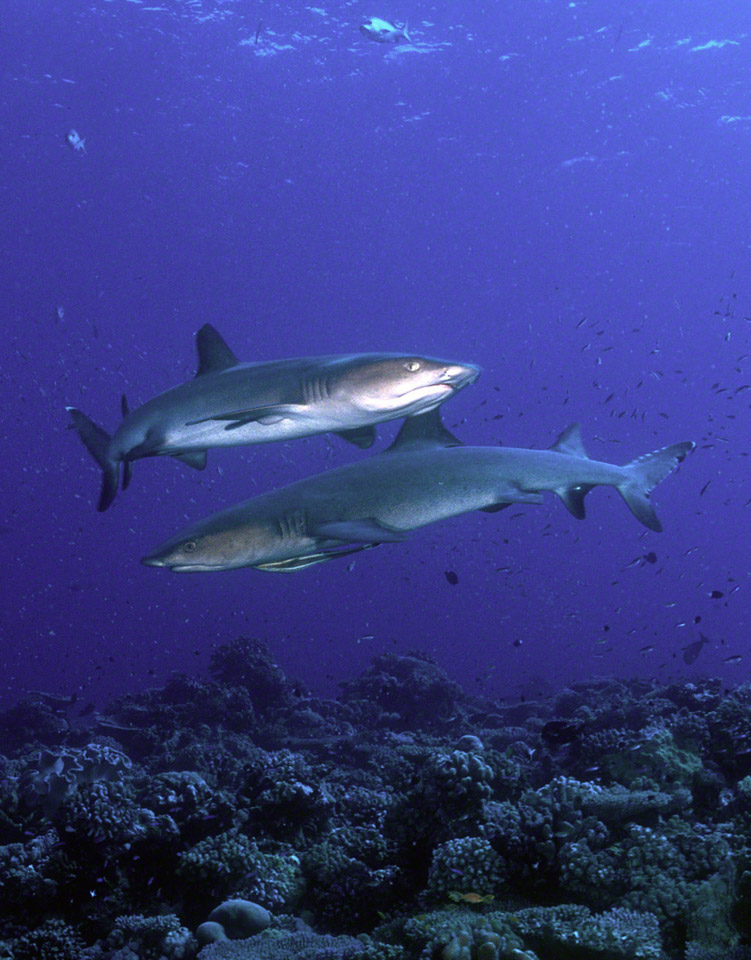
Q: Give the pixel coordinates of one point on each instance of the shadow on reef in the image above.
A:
(403, 820)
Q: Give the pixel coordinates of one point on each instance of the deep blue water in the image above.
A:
(557, 191)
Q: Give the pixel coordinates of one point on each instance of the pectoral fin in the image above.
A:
(310, 559)
(267, 415)
(367, 530)
(362, 437)
(194, 458)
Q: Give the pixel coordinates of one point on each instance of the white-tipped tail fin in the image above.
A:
(643, 475)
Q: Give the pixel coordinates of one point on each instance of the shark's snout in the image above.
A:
(461, 374)
(153, 560)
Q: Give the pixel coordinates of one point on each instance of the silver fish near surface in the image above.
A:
(425, 476)
(385, 31)
(74, 140)
(230, 403)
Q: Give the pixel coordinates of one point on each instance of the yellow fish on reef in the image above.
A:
(471, 897)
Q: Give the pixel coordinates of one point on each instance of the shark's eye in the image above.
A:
(412, 365)
(189, 546)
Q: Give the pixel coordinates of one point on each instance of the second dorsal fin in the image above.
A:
(424, 430)
(213, 353)
(570, 442)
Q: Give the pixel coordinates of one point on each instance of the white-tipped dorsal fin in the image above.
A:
(213, 353)
(424, 430)
(570, 442)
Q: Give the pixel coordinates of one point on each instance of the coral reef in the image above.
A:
(403, 821)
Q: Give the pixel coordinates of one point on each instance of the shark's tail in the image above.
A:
(97, 442)
(644, 473)
(405, 32)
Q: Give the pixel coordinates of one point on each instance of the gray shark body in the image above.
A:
(427, 475)
(230, 403)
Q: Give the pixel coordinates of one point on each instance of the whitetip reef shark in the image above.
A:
(425, 476)
(230, 403)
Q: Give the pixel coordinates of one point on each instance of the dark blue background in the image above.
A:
(536, 188)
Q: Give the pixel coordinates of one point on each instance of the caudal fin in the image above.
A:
(643, 475)
(97, 442)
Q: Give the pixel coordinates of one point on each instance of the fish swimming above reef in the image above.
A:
(230, 403)
(692, 650)
(425, 476)
(385, 31)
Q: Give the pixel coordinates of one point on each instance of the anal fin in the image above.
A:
(573, 498)
(150, 446)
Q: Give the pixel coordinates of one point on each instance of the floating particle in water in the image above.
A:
(716, 595)
(452, 578)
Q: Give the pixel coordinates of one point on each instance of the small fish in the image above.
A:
(736, 658)
(457, 896)
(558, 732)
(692, 650)
(716, 595)
(61, 313)
(452, 578)
(77, 142)
(385, 31)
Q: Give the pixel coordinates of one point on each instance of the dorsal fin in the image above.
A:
(124, 408)
(424, 430)
(213, 353)
(570, 442)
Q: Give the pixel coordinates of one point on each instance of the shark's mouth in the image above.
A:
(432, 393)
(452, 383)
(182, 567)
